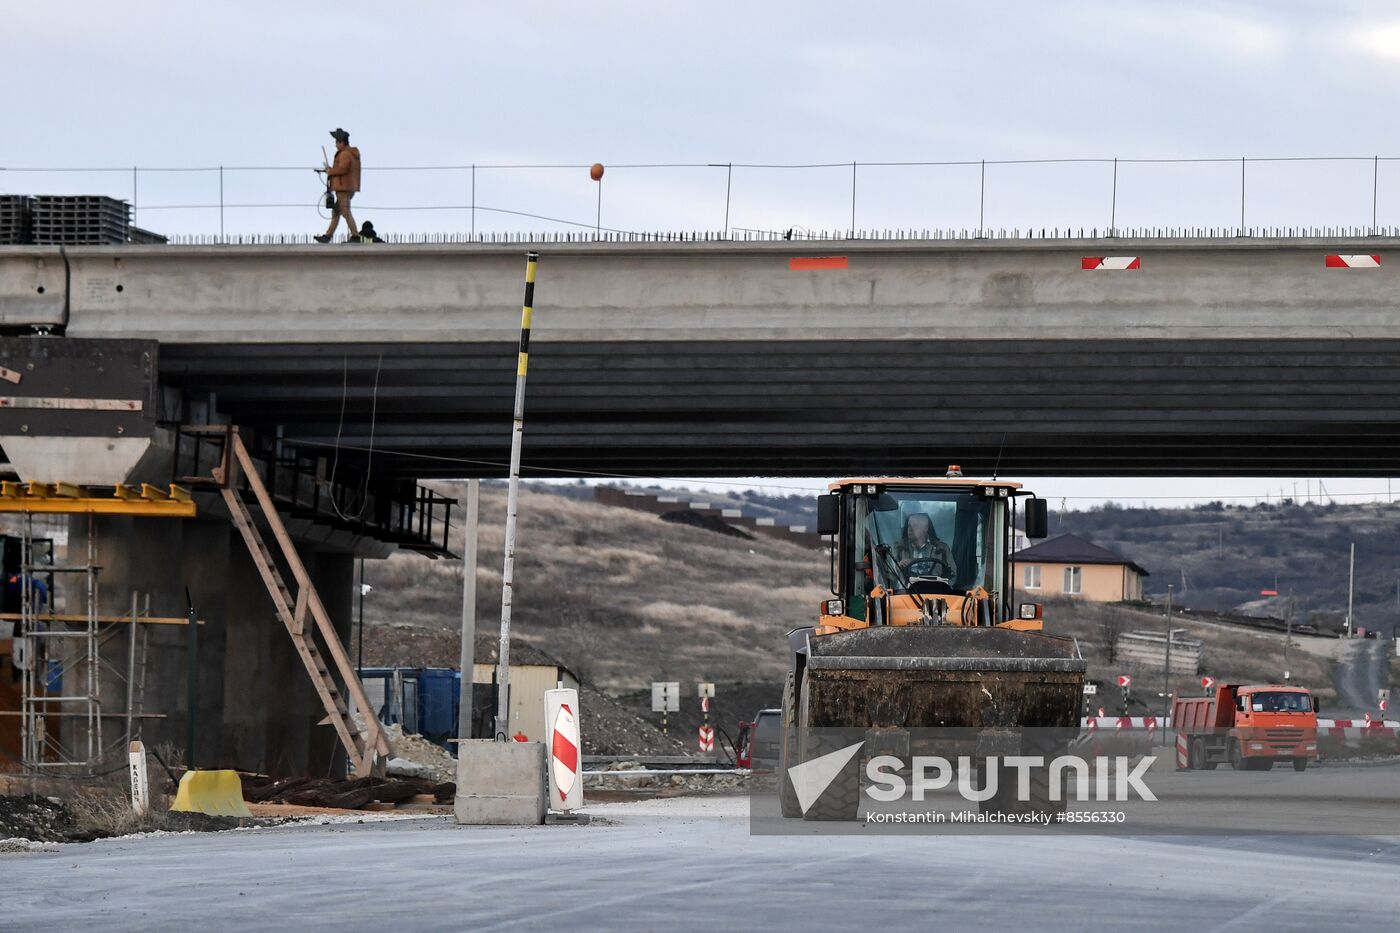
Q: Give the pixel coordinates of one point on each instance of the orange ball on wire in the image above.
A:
(595, 171)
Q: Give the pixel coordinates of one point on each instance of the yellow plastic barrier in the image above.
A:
(218, 793)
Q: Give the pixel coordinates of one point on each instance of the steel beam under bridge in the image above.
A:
(1234, 357)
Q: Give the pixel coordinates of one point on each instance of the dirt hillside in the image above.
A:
(621, 597)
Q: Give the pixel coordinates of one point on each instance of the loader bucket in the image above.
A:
(218, 793)
(910, 677)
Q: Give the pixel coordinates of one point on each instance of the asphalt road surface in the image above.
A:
(1359, 675)
(691, 863)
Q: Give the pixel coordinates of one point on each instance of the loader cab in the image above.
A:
(922, 540)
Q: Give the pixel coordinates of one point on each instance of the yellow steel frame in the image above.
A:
(68, 499)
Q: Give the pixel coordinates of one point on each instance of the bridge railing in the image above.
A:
(1328, 195)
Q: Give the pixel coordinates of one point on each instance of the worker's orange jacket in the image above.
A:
(345, 172)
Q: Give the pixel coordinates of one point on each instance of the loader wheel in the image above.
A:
(1300, 764)
(1005, 799)
(841, 799)
(787, 796)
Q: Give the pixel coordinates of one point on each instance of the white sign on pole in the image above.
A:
(1383, 694)
(1091, 689)
(665, 696)
(565, 750)
(140, 781)
(1124, 680)
(706, 691)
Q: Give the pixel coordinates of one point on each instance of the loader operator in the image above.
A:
(921, 549)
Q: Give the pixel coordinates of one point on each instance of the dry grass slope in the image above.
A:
(621, 597)
(1229, 653)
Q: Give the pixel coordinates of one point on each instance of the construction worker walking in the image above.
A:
(343, 177)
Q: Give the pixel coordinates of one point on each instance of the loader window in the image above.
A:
(929, 538)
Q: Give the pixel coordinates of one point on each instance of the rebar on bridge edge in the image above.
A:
(512, 502)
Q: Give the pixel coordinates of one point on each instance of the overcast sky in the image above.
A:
(450, 84)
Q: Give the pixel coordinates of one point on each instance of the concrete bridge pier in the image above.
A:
(255, 708)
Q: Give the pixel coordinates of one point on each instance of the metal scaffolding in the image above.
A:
(69, 684)
(62, 652)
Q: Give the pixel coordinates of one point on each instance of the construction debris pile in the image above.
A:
(608, 728)
(417, 757)
(367, 793)
(43, 819)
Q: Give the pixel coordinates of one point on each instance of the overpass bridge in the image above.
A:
(1223, 356)
(355, 371)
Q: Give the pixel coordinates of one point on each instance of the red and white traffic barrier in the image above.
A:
(707, 738)
(565, 757)
(1110, 263)
(1183, 752)
(1350, 261)
(1122, 722)
(1356, 728)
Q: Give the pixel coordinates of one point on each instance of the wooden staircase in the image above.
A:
(369, 748)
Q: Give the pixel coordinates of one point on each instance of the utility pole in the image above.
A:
(1167, 670)
(1288, 633)
(512, 503)
(1351, 587)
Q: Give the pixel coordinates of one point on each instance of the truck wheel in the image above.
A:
(841, 799)
(1300, 764)
(1237, 761)
(787, 796)
(1199, 761)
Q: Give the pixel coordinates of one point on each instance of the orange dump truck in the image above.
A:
(1249, 725)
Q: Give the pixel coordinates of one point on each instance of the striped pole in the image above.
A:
(512, 499)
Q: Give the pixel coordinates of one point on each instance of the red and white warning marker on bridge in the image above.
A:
(1110, 263)
(1356, 261)
(707, 738)
(565, 755)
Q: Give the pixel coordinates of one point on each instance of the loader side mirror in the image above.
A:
(1037, 519)
(828, 514)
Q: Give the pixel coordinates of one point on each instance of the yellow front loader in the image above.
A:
(926, 633)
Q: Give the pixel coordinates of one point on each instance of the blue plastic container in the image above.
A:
(439, 689)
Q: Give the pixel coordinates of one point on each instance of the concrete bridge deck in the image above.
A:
(1238, 356)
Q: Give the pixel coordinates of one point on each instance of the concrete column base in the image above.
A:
(501, 783)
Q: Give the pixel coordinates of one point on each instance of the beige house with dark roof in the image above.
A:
(1071, 566)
